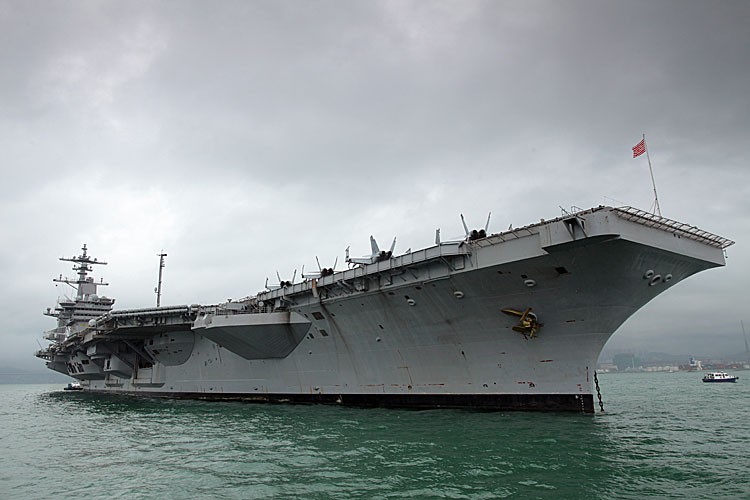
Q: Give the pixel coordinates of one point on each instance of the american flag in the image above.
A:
(639, 148)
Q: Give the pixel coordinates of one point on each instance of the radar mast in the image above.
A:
(158, 286)
(83, 264)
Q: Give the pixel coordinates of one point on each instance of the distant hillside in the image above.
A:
(656, 358)
(708, 345)
(15, 375)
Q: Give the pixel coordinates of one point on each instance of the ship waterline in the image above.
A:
(514, 320)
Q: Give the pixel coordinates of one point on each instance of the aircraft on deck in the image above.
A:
(470, 235)
(377, 255)
(322, 271)
(282, 283)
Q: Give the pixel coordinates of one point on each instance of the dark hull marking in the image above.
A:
(581, 403)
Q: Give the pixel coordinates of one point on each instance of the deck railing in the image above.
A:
(692, 232)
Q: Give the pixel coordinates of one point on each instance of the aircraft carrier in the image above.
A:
(508, 321)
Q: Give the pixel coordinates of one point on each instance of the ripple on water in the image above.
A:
(660, 437)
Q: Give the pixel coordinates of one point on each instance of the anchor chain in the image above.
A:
(598, 392)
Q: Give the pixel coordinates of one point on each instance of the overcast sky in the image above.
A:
(245, 138)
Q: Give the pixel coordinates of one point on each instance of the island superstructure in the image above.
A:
(512, 320)
(74, 314)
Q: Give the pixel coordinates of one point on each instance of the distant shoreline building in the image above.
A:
(694, 365)
(626, 362)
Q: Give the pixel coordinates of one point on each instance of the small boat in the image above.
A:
(74, 386)
(719, 377)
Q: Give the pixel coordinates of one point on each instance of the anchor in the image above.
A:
(528, 324)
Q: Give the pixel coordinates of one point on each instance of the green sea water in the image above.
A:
(662, 435)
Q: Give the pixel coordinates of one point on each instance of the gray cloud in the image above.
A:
(247, 137)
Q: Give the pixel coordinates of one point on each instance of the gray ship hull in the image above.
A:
(442, 327)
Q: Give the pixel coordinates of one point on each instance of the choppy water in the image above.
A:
(662, 436)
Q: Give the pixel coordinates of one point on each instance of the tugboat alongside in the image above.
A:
(507, 321)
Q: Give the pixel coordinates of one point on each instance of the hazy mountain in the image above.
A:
(710, 344)
(11, 374)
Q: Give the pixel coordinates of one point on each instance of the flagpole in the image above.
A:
(653, 183)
